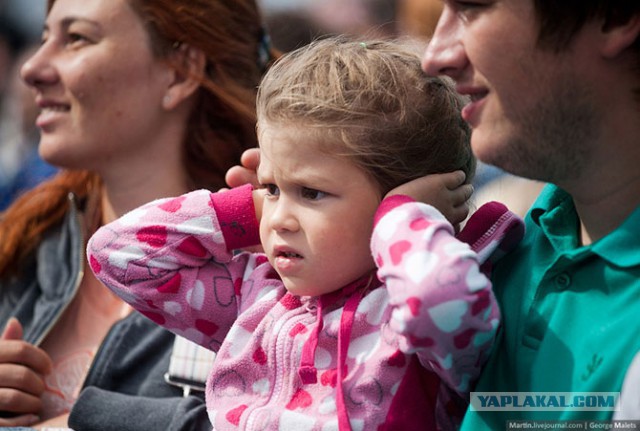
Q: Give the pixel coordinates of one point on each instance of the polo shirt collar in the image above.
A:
(554, 212)
(622, 246)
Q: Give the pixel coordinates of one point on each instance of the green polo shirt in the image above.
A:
(571, 314)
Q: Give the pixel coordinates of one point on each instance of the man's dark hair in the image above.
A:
(560, 20)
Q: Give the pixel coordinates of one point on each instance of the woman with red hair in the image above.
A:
(139, 99)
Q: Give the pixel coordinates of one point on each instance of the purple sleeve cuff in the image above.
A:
(390, 203)
(237, 216)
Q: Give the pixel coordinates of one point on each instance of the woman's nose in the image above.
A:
(39, 70)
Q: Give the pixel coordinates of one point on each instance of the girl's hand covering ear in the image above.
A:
(447, 192)
(245, 173)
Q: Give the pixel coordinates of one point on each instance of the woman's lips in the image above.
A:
(49, 113)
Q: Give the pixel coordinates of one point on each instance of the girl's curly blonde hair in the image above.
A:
(371, 102)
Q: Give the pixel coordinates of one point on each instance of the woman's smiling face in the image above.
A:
(97, 83)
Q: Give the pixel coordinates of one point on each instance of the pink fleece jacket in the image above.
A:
(375, 355)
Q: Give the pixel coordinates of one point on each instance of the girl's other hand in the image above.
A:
(447, 192)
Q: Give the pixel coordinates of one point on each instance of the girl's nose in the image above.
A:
(281, 216)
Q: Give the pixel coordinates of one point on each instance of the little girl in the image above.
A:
(364, 307)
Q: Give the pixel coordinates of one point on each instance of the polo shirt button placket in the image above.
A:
(563, 280)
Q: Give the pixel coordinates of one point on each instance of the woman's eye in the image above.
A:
(312, 194)
(76, 38)
(272, 189)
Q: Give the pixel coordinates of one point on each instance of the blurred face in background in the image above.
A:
(418, 18)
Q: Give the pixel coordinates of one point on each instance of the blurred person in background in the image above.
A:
(12, 42)
(290, 29)
(418, 18)
(294, 24)
(370, 18)
(19, 117)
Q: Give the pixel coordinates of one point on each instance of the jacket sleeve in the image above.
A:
(173, 260)
(443, 308)
(100, 410)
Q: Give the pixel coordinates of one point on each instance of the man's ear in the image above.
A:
(618, 36)
(188, 65)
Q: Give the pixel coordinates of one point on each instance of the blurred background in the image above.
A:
(295, 22)
(290, 23)
(20, 166)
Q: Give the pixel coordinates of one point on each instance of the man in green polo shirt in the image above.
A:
(554, 90)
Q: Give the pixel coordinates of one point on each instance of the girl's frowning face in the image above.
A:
(317, 216)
